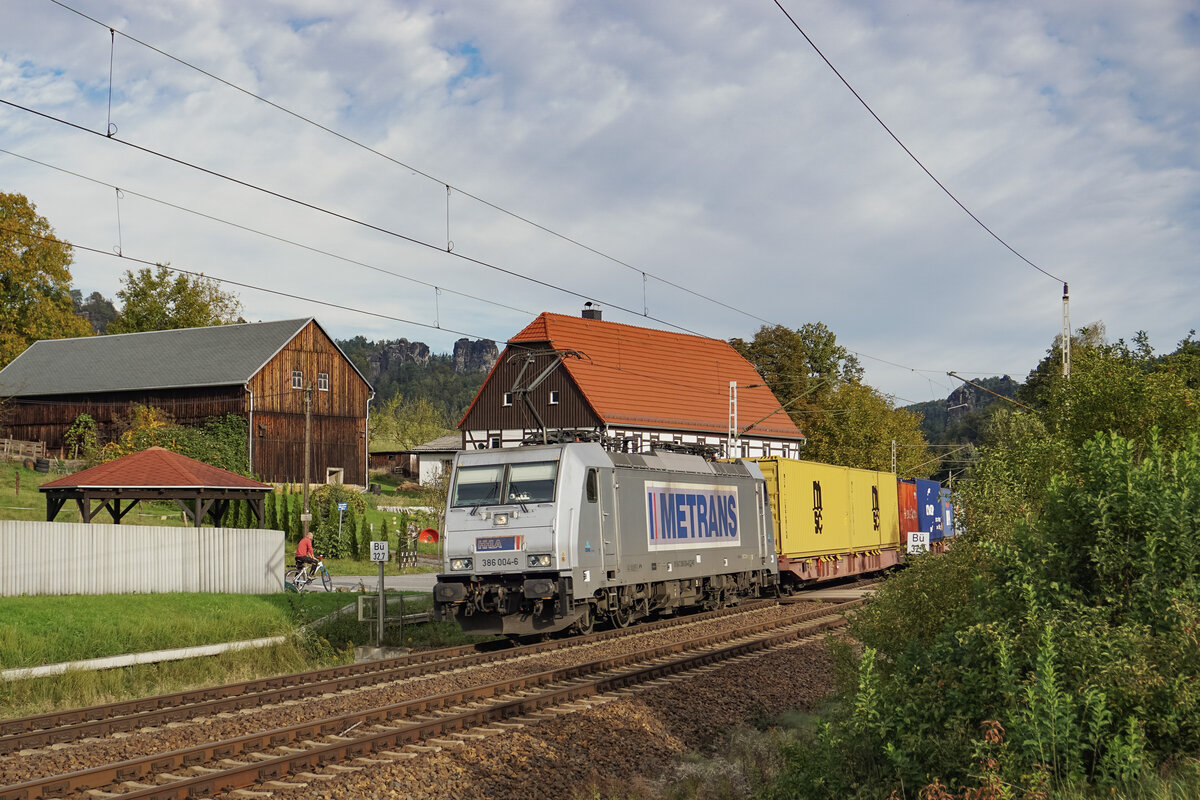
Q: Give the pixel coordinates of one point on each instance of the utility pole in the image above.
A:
(1066, 334)
(306, 517)
(893, 456)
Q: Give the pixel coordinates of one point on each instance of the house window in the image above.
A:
(297, 379)
(495, 441)
(508, 398)
(323, 381)
(554, 397)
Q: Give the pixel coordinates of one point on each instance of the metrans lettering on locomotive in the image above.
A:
(690, 515)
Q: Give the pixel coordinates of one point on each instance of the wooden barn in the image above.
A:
(259, 371)
(641, 387)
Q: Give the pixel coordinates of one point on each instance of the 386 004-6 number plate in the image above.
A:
(499, 561)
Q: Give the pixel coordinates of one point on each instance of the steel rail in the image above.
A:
(131, 772)
(64, 726)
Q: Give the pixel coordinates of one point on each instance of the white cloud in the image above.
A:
(702, 142)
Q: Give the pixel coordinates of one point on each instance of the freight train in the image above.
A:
(555, 537)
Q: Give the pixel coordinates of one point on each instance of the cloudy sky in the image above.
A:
(683, 163)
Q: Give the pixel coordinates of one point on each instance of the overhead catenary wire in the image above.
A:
(118, 253)
(241, 284)
(284, 240)
(110, 131)
(904, 147)
(451, 187)
(334, 214)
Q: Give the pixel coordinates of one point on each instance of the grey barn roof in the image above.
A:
(451, 442)
(221, 355)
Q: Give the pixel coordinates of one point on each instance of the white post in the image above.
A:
(731, 437)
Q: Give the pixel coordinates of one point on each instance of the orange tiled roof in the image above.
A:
(651, 378)
(155, 468)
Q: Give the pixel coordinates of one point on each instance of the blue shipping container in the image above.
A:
(947, 513)
(929, 509)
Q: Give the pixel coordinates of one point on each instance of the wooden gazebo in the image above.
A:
(155, 474)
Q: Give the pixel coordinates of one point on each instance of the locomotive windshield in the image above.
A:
(478, 486)
(496, 484)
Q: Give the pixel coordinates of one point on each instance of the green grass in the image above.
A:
(42, 630)
(20, 498)
(79, 688)
(49, 630)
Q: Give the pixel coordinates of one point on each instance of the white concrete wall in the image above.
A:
(433, 466)
(39, 558)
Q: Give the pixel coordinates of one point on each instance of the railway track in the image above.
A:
(65, 726)
(306, 752)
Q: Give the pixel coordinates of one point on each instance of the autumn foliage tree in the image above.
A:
(35, 280)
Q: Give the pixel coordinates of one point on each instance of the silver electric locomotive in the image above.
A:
(538, 539)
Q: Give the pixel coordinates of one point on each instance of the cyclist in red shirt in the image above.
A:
(304, 551)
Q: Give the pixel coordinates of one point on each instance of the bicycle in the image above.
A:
(301, 579)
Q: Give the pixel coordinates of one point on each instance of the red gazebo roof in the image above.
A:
(156, 468)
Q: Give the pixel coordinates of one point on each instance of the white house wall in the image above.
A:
(746, 447)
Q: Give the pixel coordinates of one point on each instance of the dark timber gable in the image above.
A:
(489, 411)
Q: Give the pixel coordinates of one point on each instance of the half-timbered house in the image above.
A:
(639, 387)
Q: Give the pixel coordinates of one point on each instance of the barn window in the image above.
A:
(323, 381)
(508, 398)
(297, 379)
(554, 397)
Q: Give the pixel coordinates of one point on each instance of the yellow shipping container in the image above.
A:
(822, 509)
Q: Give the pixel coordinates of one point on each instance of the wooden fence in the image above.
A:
(15, 449)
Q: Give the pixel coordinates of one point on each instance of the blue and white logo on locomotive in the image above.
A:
(684, 515)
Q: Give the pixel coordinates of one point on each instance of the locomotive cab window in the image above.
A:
(499, 484)
(478, 486)
(593, 489)
(532, 483)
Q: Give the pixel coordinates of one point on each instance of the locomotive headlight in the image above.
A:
(460, 563)
(541, 560)
(500, 519)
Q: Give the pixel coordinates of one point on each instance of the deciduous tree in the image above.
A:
(35, 280)
(803, 363)
(403, 423)
(819, 383)
(159, 300)
(856, 426)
